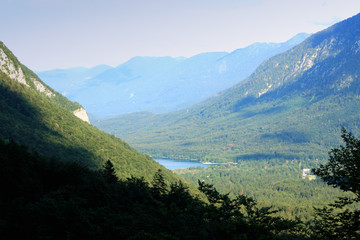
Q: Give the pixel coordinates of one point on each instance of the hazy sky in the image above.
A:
(47, 34)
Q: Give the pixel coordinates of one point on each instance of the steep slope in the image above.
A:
(242, 62)
(11, 67)
(164, 84)
(291, 107)
(42, 119)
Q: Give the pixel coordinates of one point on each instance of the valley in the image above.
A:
(259, 143)
(291, 107)
(282, 119)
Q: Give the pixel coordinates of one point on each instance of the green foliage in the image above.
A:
(272, 183)
(47, 125)
(56, 97)
(45, 198)
(30, 76)
(239, 212)
(329, 223)
(342, 171)
(109, 172)
(159, 184)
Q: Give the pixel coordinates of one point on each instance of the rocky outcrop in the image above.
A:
(12, 68)
(41, 88)
(8, 67)
(82, 114)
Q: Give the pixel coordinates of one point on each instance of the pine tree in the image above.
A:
(109, 172)
(342, 171)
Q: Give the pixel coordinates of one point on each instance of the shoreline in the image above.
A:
(197, 161)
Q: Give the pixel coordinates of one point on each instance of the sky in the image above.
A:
(49, 34)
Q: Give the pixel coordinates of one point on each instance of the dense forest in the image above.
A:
(272, 183)
(50, 199)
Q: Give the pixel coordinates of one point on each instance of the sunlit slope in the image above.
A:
(291, 107)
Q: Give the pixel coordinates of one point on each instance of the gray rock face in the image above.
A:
(7, 66)
(82, 114)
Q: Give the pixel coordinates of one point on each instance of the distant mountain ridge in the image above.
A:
(164, 84)
(291, 107)
(72, 78)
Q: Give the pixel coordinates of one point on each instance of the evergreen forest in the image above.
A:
(50, 199)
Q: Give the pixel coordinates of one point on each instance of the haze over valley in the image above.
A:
(160, 84)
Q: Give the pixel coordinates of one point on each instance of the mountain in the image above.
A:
(34, 115)
(68, 80)
(291, 107)
(164, 84)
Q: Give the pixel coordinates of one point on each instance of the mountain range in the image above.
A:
(291, 107)
(160, 84)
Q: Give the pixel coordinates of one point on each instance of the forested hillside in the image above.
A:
(291, 107)
(49, 199)
(42, 119)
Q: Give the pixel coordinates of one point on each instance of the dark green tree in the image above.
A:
(240, 218)
(342, 171)
(159, 184)
(110, 173)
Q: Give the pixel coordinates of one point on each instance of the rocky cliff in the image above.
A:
(82, 114)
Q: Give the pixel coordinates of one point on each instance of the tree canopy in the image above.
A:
(48, 199)
(342, 171)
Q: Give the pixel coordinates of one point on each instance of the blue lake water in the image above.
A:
(176, 164)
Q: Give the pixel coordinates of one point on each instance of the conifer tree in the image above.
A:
(342, 171)
(110, 173)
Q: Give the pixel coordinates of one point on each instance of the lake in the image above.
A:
(176, 164)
